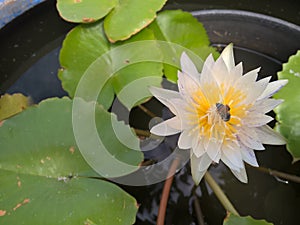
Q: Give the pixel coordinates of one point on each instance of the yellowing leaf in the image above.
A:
(12, 104)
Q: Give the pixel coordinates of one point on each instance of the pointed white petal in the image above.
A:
(227, 162)
(187, 66)
(168, 127)
(163, 93)
(266, 105)
(187, 85)
(256, 90)
(220, 71)
(227, 56)
(185, 140)
(249, 156)
(249, 138)
(164, 96)
(247, 81)
(241, 175)
(235, 74)
(233, 154)
(268, 136)
(253, 74)
(208, 65)
(210, 88)
(198, 147)
(272, 88)
(199, 167)
(254, 119)
(213, 150)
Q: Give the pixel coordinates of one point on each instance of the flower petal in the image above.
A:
(220, 71)
(208, 65)
(168, 127)
(210, 88)
(266, 105)
(227, 56)
(272, 88)
(185, 140)
(199, 166)
(235, 74)
(256, 90)
(164, 96)
(268, 136)
(248, 156)
(233, 154)
(188, 67)
(249, 138)
(198, 147)
(254, 119)
(187, 85)
(241, 174)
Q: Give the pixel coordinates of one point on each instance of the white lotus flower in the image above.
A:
(220, 113)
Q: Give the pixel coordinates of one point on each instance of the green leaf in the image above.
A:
(131, 83)
(81, 47)
(12, 104)
(182, 28)
(84, 11)
(288, 113)
(86, 43)
(129, 17)
(232, 219)
(45, 179)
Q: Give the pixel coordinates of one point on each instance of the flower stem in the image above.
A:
(165, 194)
(143, 133)
(220, 194)
(147, 111)
(198, 210)
(278, 174)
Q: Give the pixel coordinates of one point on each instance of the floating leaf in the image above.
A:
(288, 113)
(129, 17)
(84, 11)
(182, 28)
(86, 43)
(232, 219)
(12, 104)
(135, 79)
(82, 46)
(44, 178)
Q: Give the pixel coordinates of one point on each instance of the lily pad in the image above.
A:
(45, 179)
(86, 43)
(182, 28)
(129, 17)
(232, 219)
(12, 104)
(84, 11)
(81, 47)
(288, 113)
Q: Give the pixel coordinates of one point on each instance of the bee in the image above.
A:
(223, 111)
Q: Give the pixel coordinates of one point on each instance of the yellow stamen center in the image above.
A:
(205, 117)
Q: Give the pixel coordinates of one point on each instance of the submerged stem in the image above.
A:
(143, 133)
(147, 111)
(220, 194)
(165, 194)
(198, 211)
(278, 174)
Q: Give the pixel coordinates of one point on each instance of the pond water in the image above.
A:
(264, 196)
